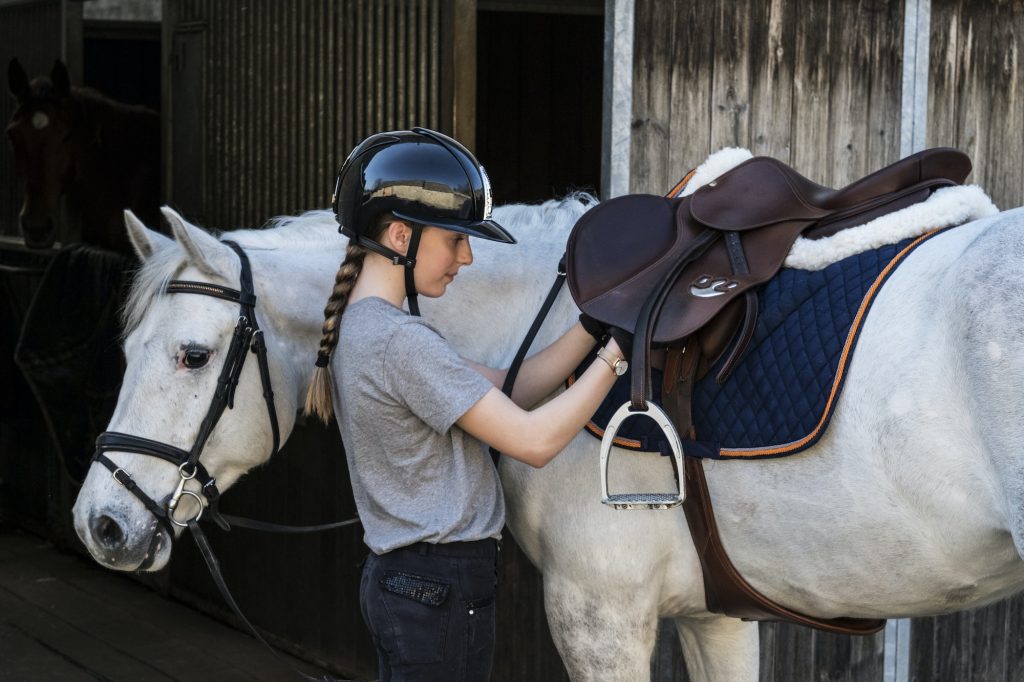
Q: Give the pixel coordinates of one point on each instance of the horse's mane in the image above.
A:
(533, 222)
(317, 231)
(310, 231)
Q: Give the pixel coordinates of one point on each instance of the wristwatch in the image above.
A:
(616, 364)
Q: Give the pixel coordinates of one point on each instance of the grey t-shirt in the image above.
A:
(399, 390)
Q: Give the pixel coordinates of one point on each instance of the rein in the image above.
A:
(247, 337)
(524, 347)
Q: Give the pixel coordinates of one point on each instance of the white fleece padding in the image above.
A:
(947, 207)
(723, 160)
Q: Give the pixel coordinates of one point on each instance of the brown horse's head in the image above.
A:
(42, 134)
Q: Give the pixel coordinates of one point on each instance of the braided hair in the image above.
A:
(318, 397)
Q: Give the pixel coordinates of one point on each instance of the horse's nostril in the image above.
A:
(107, 532)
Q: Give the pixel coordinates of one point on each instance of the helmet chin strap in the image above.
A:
(409, 264)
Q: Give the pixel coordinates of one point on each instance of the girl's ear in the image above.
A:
(399, 233)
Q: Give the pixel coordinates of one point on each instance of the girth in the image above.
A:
(247, 337)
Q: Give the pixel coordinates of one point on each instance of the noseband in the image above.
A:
(248, 337)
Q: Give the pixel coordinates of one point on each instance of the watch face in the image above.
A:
(620, 367)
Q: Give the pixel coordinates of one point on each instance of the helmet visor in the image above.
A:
(485, 229)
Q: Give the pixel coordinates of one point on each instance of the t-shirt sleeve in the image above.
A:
(423, 371)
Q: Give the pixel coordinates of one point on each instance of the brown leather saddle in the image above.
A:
(682, 274)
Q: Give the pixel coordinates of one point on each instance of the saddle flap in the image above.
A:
(754, 194)
(615, 252)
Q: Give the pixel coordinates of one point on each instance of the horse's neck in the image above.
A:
(291, 290)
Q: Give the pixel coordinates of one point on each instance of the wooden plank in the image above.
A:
(988, 643)
(811, 106)
(730, 75)
(667, 664)
(114, 628)
(688, 62)
(654, 38)
(849, 87)
(771, 92)
(885, 85)
(1014, 654)
(922, 649)
(975, 91)
(26, 657)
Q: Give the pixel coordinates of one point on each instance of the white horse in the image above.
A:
(912, 503)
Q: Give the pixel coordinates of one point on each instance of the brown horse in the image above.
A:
(103, 155)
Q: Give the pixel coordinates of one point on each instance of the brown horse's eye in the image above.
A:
(196, 358)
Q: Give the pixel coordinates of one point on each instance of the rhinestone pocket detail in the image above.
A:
(416, 587)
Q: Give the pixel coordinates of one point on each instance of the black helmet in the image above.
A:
(418, 175)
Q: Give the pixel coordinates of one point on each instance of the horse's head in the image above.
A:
(42, 135)
(176, 346)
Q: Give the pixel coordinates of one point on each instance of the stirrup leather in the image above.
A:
(640, 500)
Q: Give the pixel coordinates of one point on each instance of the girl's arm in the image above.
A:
(542, 373)
(536, 436)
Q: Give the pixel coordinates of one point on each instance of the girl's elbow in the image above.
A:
(542, 451)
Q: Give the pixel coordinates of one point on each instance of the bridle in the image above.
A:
(248, 337)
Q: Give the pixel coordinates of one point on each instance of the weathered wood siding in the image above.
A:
(976, 90)
(287, 89)
(814, 83)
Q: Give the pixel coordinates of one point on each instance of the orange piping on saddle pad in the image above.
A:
(739, 453)
(844, 360)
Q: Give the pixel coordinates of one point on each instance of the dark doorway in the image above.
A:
(539, 85)
(122, 60)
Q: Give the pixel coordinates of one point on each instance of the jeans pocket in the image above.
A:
(418, 607)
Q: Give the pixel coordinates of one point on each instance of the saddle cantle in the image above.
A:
(674, 270)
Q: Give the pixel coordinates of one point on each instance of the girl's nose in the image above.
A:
(466, 252)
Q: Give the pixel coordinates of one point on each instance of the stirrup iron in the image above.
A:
(641, 500)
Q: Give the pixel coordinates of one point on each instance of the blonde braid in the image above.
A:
(318, 398)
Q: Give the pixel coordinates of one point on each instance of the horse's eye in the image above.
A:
(196, 358)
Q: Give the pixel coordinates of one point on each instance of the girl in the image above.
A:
(415, 414)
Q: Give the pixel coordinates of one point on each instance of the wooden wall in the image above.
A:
(976, 90)
(265, 99)
(818, 84)
(814, 83)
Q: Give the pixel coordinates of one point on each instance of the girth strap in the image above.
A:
(726, 591)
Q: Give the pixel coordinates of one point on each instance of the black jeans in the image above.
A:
(430, 611)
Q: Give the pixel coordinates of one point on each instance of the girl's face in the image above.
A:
(441, 253)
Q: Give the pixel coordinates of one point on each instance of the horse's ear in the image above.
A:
(17, 80)
(203, 249)
(60, 79)
(145, 241)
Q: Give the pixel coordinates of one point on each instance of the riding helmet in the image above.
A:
(419, 175)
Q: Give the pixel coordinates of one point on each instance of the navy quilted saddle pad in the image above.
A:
(780, 397)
